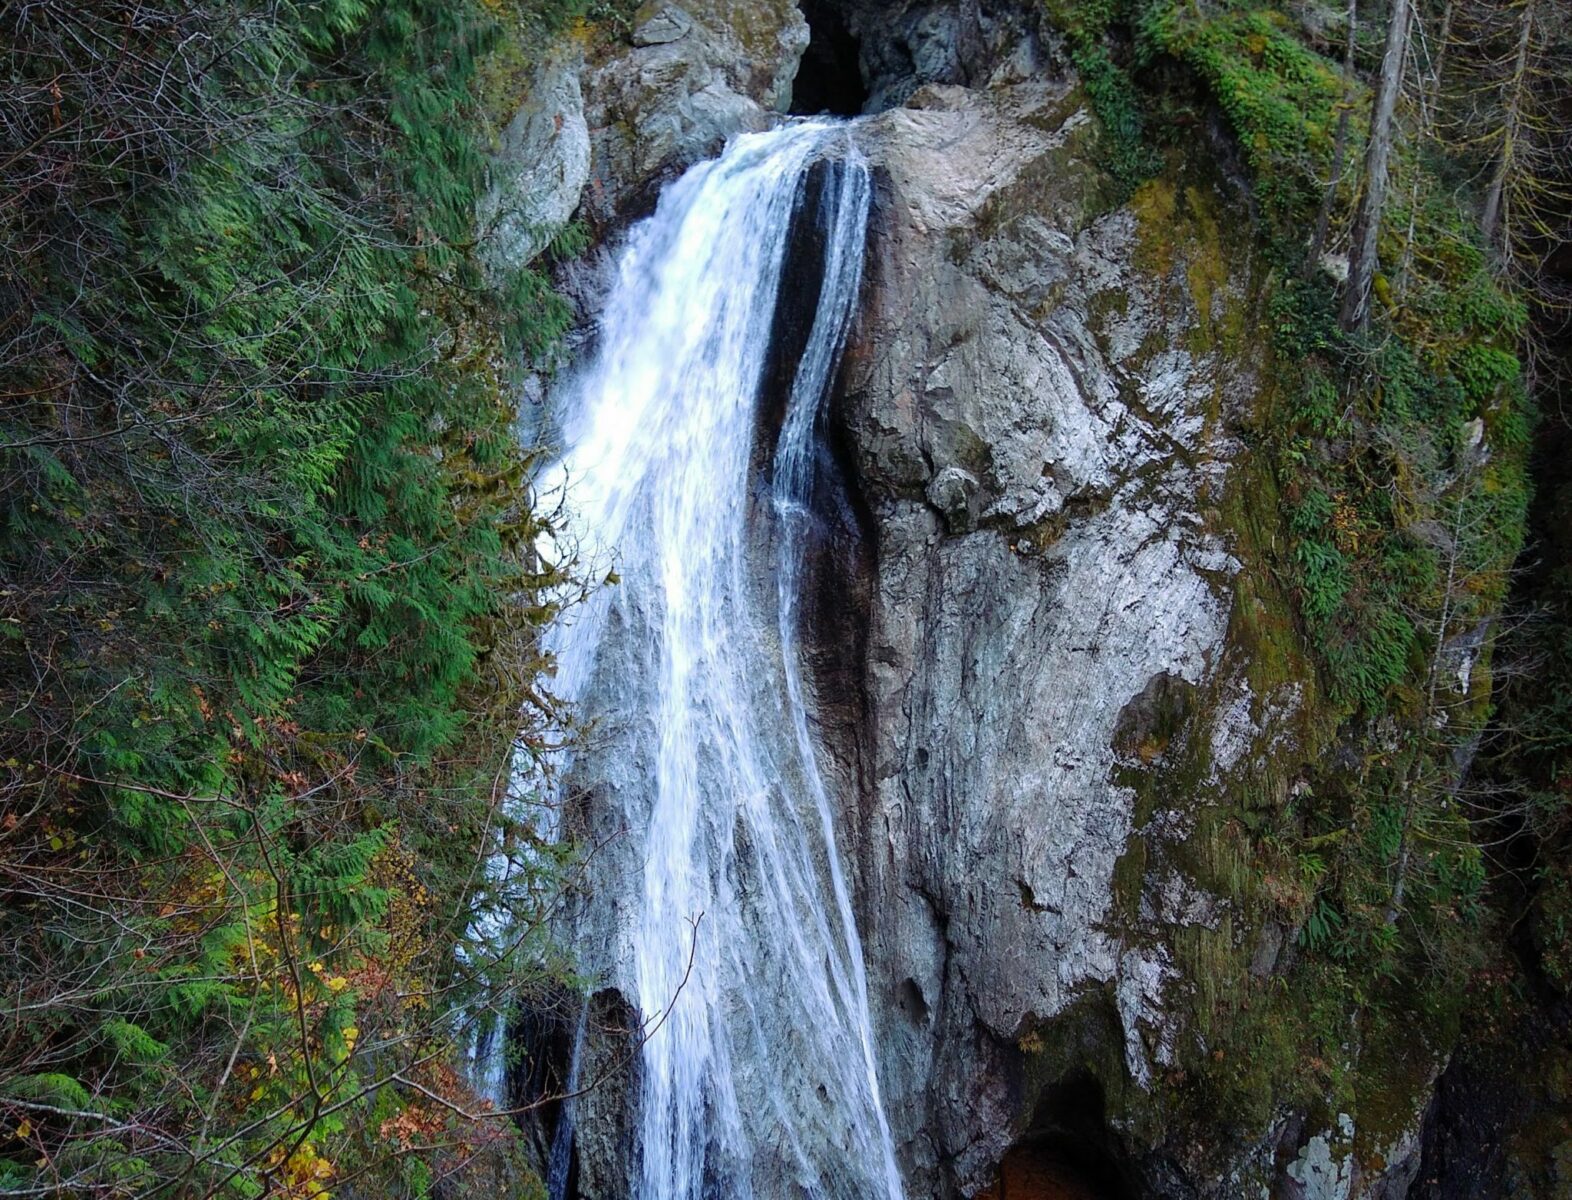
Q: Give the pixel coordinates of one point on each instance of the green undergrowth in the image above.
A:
(267, 598)
(1278, 96)
(1380, 510)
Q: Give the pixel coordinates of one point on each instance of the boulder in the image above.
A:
(540, 168)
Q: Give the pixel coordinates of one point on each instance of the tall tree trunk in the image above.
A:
(1429, 104)
(1339, 144)
(1443, 44)
(1490, 220)
(1378, 158)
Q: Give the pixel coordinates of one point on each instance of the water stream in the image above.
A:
(739, 946)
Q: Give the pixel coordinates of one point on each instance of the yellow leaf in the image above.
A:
(25, 1129)
(338, 983)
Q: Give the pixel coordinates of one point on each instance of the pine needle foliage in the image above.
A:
(266, 600)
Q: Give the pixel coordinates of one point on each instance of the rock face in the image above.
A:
(1044, 639)
(902, 45)
(695, 74)
(1074, 657)
(600, 133)
(1039, 443)
(542, 165)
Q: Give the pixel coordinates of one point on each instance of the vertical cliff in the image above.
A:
(1064, 697)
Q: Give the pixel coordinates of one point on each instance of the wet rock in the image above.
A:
(1269, 944)
(605, 1132)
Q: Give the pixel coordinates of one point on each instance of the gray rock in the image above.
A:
(540, 167)
(609, 131)
(995, 680)
(952, 492)
(1324, 1169)
(694, 75)
(655, 25)
(907, 45)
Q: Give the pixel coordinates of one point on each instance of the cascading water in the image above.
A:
(758, 1072)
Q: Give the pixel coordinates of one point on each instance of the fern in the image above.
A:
(133, 1042)
(52, 1088)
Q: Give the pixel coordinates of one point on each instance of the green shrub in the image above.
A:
(267, 603)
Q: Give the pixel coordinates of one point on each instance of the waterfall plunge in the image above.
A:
(758, 1077)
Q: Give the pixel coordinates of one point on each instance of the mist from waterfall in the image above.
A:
(737, 939)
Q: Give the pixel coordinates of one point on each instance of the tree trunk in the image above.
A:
(1443, 44)
(1378, 157)
(1421, 746)
(1339, 145)
(1490, 222)
(1429, 103)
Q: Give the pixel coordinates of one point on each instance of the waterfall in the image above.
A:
(738, 942)
(559, 1159)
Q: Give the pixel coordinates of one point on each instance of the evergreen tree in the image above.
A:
(266, 606)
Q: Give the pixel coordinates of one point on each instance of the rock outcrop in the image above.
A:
(693, 76)
(542, 165)
(599, 132)
(1039, 442)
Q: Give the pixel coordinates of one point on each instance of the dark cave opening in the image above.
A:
(1068, 1153)
(829, 79)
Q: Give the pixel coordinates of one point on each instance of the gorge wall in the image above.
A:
(1054, 670)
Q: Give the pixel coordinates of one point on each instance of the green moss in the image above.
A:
(1207, 273)
(1261, 625)
(1398, 1059)
(1179, 228)
(1128, 878)
(1155, 205)
(1278, 95)
(1127, 156)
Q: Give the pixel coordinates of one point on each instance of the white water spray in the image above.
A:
(760, 1080)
